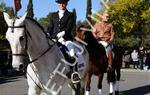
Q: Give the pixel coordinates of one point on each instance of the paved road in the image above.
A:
(133, 82)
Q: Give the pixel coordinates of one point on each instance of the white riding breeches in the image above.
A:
(107, 46)
(70, 47)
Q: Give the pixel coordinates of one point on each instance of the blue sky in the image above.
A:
(43, 7)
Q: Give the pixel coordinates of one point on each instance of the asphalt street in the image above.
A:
(133, 82)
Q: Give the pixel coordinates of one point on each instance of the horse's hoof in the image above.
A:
(116, 92)
(110, 93)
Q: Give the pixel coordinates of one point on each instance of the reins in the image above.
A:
(27, 34)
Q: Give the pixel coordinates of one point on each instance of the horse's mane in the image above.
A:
(95, 49)
(33, 21)
(38, 24)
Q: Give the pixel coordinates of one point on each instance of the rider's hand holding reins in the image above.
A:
(60, 37)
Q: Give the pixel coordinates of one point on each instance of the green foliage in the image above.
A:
(3, 25)
(88, 9)
(44, 22)
(73, 32)
(131, 18)
(2, 37)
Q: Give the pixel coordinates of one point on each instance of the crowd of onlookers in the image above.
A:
(132, 58)
(137, 58)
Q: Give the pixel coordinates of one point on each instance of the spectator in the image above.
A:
(141, 56)
(135, 59)
(127, 59)
(148, 59)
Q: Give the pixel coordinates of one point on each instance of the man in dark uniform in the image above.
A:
(61, 26)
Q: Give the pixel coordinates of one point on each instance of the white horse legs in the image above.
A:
(87, 92)
(117, 86)
(114, 87)
(111, 87)
(100, 92)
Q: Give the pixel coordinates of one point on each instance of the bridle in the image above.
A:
(12, 27)
(27, 34)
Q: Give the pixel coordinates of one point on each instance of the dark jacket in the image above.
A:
(66, 23)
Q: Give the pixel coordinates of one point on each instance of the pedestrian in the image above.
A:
(148, 59)
(135, 59)
(141, 56)
(127, 59)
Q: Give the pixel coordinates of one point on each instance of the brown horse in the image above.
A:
(97, 64)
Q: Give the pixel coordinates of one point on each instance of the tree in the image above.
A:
(45, 21)
(131, 18)
(30, 9)
(74, 27)
(3, 25)
(88, 10)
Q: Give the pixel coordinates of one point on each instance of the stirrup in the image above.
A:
(72, 78)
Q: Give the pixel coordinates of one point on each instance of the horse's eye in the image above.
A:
(22, 38)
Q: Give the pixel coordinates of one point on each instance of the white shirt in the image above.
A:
(134, 56)
(61, 13)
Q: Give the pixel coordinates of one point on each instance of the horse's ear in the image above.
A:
(6, 17)
(23, 17)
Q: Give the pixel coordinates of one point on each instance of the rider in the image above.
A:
(104, 33)
(61, 26)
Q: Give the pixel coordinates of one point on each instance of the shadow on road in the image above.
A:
(11, 78)
(137, 91)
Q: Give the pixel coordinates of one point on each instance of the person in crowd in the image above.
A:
(148, 59)
(127, 59)
(135, 59)
(141, 56)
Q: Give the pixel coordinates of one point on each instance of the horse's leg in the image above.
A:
(100, 83)
(118, 72)
(111, 76)
(111, 88)
(88, 82)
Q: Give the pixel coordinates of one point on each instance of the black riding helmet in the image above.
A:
(61, 1)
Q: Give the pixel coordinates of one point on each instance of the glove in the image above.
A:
(60, 34)
(54, 40)
(61, 40)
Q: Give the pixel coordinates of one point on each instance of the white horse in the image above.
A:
(46, 73)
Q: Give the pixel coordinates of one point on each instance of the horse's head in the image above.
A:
(80, 33)
(16, 38)
(85, 34)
